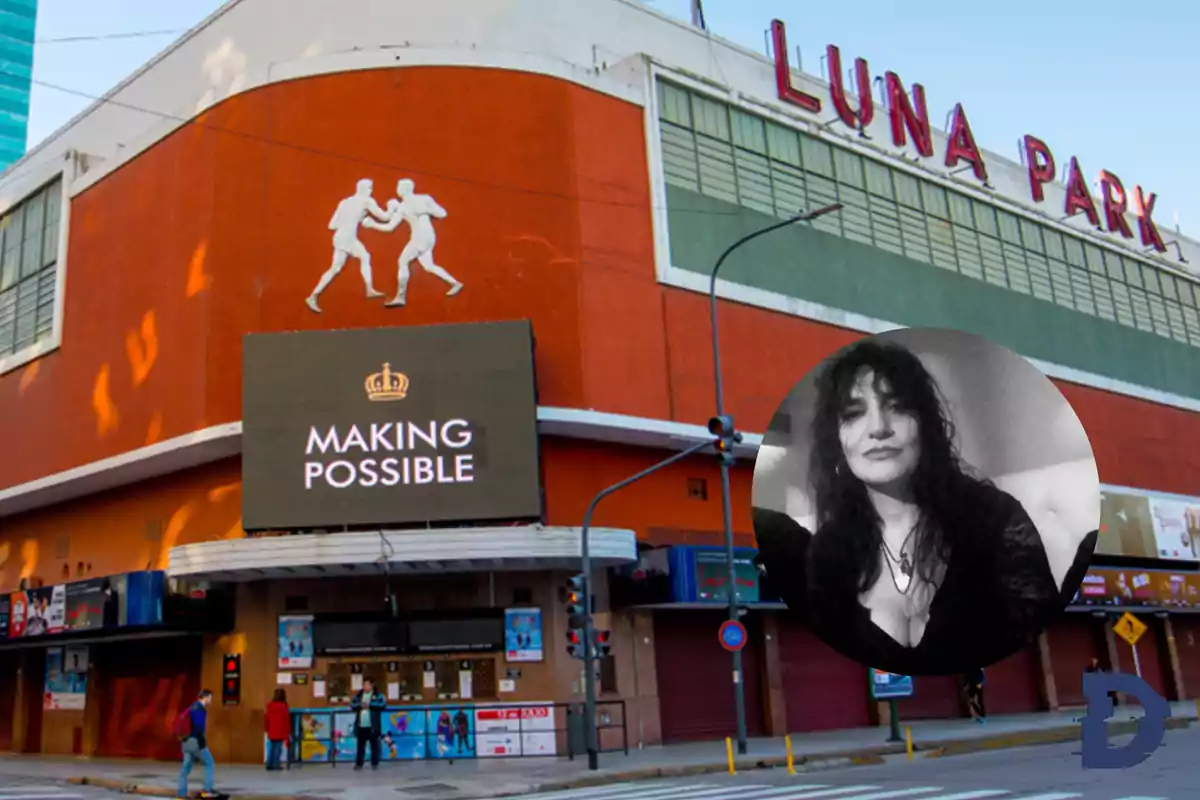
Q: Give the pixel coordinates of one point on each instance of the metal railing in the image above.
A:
(465, 731)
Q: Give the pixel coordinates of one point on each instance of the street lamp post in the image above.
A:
(727, 456)
(589, 651)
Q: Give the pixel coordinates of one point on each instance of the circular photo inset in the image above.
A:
(927, 501)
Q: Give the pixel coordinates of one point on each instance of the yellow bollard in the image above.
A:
(791, 764)
(729, 754)
(908, 742)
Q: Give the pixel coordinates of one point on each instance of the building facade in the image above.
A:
(580, 166)
(18, 24)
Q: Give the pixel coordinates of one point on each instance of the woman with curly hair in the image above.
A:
(915, 566)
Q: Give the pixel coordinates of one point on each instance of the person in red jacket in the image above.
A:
(278, 726)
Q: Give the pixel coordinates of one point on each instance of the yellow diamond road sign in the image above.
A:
(1129, 628)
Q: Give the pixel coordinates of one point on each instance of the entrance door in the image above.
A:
(695, 690)
(824, 690)
(934, 697)
(1075, 639)
(1187, 644)
(146, 683)
(8, 697)
(1011, 686)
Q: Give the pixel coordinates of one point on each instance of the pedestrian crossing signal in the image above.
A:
(575, 643)
(231, 680)
(603, 645)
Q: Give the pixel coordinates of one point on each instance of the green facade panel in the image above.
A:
(833, 271)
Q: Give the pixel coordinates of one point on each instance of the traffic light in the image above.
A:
(231, 680)
(575, 598)
(603, 645)
(726, 435)
(575, 643)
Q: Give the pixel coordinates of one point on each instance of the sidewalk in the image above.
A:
(480, 778)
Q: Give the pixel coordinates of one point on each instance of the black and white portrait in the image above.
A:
(927, 501)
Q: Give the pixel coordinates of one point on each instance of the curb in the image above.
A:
(160, 791)
(1059, 735)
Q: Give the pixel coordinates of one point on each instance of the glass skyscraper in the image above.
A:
(18, 21)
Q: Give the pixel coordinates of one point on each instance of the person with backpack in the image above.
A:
(191, 726)
(278, 726)
(368, 706)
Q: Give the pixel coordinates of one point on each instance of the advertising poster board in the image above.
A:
(64, 691)
(450, 732)
(889, 686)
(46, 612)
(1176, 528)
(505, 731)
(523, 634)
(295, 642)
(85, 604)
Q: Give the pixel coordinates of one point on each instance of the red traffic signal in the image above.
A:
(575, 643)
(602, 637)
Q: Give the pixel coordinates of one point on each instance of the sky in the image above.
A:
(1109, 81)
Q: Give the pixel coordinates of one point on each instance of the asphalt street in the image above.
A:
(1051, 772)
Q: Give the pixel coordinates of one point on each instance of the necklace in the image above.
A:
(904, 580)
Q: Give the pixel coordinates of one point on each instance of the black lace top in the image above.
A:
(997, 593)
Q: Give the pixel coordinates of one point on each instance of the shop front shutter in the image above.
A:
(1011, 685)
(823, 689)
(1074, 640)
(695, 686)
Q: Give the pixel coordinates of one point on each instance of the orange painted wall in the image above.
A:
(135, 527)
(129, 529)
(221, 229)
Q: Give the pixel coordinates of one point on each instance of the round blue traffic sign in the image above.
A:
(732, 635)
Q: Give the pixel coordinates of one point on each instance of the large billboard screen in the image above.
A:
(389, 426)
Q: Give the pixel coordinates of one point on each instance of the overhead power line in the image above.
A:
(106, 36)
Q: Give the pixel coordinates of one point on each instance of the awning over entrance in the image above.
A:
(318, 555)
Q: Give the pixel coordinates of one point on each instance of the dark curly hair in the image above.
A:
(939, 483)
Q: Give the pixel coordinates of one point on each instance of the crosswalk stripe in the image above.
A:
(838, 792)
(37, 793)
(584, 794)
(670, 793)
(1140, 797)
(1052, 796)
(765, 793)
(887, 795)
(618, 791)
(975, 794)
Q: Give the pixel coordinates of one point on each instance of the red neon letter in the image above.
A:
(783, 73)
(1112, 195)
(1040, 162)
(1145, 213)
(837, 90)
(961, 145)
(1078, 196)
(913, 116)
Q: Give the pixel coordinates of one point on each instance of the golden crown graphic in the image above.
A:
(386, 385)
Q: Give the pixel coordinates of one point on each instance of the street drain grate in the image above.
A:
(428, 788)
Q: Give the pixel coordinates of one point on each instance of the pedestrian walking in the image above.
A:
(278, 726)
(368, 706)
(191, 726)
(973, 685)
